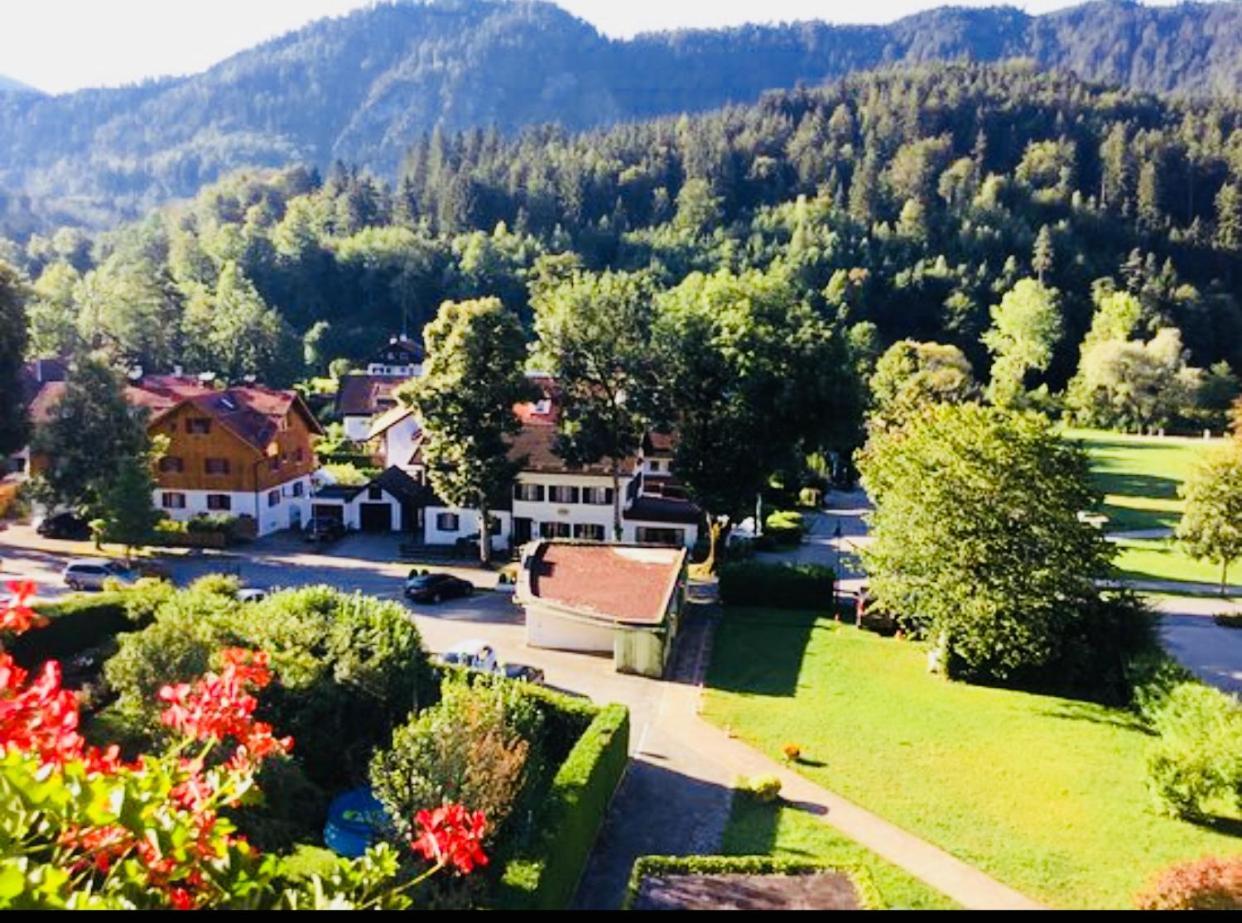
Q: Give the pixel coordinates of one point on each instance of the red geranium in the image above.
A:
(451, 836)
(15, 613)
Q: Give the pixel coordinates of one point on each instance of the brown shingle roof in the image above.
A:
(535, 447)
(366, 395)
(621, 583)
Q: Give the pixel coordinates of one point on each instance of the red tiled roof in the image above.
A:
(366, 395)
(620, 583)
(161, 393)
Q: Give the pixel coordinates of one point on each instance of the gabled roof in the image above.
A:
(366, 395)
(253, 413)
(399, 351)
(626, 584)
(388, 420)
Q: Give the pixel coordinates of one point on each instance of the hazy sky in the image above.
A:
(60, 45)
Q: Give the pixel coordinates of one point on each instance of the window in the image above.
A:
(172, 465)
(216, 466)
(448, 522)
(647, 536)
(299, 489)
(172, 501)
(656, 466)
(589, 533)
(554, 530)
(597, 496)
(299, 456)
(530, 493)
(563, 494)
(200, 426)
(375, 493)
(273, 498)
(275, 463)
(219, 503)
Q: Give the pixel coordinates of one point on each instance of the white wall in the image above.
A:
(399, 443)
(357, 429)
(290, 512)
(468, 524)
(570, 513)
(545, 628)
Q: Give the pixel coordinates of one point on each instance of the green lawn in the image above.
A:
(788, 832)
(1140, 476)
(1045, 794)
(1153, 559)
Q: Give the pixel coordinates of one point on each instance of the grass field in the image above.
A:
(787, 832)
(1045, 794)
(1164, 559)
(1139, 476)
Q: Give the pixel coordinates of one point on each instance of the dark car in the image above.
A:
(65, 526)
(519, 671)
(324, 530)
(436, 588)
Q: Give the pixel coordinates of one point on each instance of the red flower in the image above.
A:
(451, 836)
(15, 613)
(180, 899)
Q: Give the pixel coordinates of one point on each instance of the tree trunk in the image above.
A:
(1224, 580)
(618, 530)
(485, 535)
(717, 532)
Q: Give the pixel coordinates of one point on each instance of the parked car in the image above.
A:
(90, 574)
(436, 588)
(322, 530)
(251, 595)
(65, 526)
(481, 656)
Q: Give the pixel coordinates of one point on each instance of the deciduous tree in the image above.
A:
(1211, 527)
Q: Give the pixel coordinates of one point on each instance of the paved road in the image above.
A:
(1211, 652)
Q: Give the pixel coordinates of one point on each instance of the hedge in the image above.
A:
(80, 623)
(647, 866)
(781, 586)
(544, 873)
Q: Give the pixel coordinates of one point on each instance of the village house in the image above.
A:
(363, 398)
(246, 452)
(553, 499)
(42, 382)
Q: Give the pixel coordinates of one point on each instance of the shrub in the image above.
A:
(217, 584)
(480, 745)
(543, 873)
(784, 528)
(661, 866)
(80, 623)
(1196, 766)
(1206, 884)
(811, 497)
(782, 586)
(1229, 619)
(764, 789)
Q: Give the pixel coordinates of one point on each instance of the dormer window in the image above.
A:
(199, 426)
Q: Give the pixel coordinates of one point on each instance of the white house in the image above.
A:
(401, 358)
(391, 502)
(396, 433)
(362, 399)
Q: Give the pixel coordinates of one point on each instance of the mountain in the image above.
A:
(361, 88)
(9, 85)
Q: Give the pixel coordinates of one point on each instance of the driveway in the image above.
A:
(1211, 652)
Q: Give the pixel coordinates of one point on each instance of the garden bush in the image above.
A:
(1229, 620)
(543, 872)
(763, 789)
(661, 866)
(81, 623)
(481, 745)
(1195, 768)
(782, 586)
(1205, 884)
(784, 529)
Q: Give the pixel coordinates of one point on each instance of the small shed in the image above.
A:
(624, 600)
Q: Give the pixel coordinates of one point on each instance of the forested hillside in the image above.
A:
(903, 203)
(361, 88)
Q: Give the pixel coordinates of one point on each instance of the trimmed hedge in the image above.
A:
(647, 866)
(780, 586)
(80, 623)
(544, 873)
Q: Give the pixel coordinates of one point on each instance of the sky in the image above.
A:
(62, 45)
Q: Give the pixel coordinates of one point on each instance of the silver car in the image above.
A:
(93, 574)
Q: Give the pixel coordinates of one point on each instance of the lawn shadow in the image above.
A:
(1229, 826)
(1147, 486)
(1093, 713)
(760, 651)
